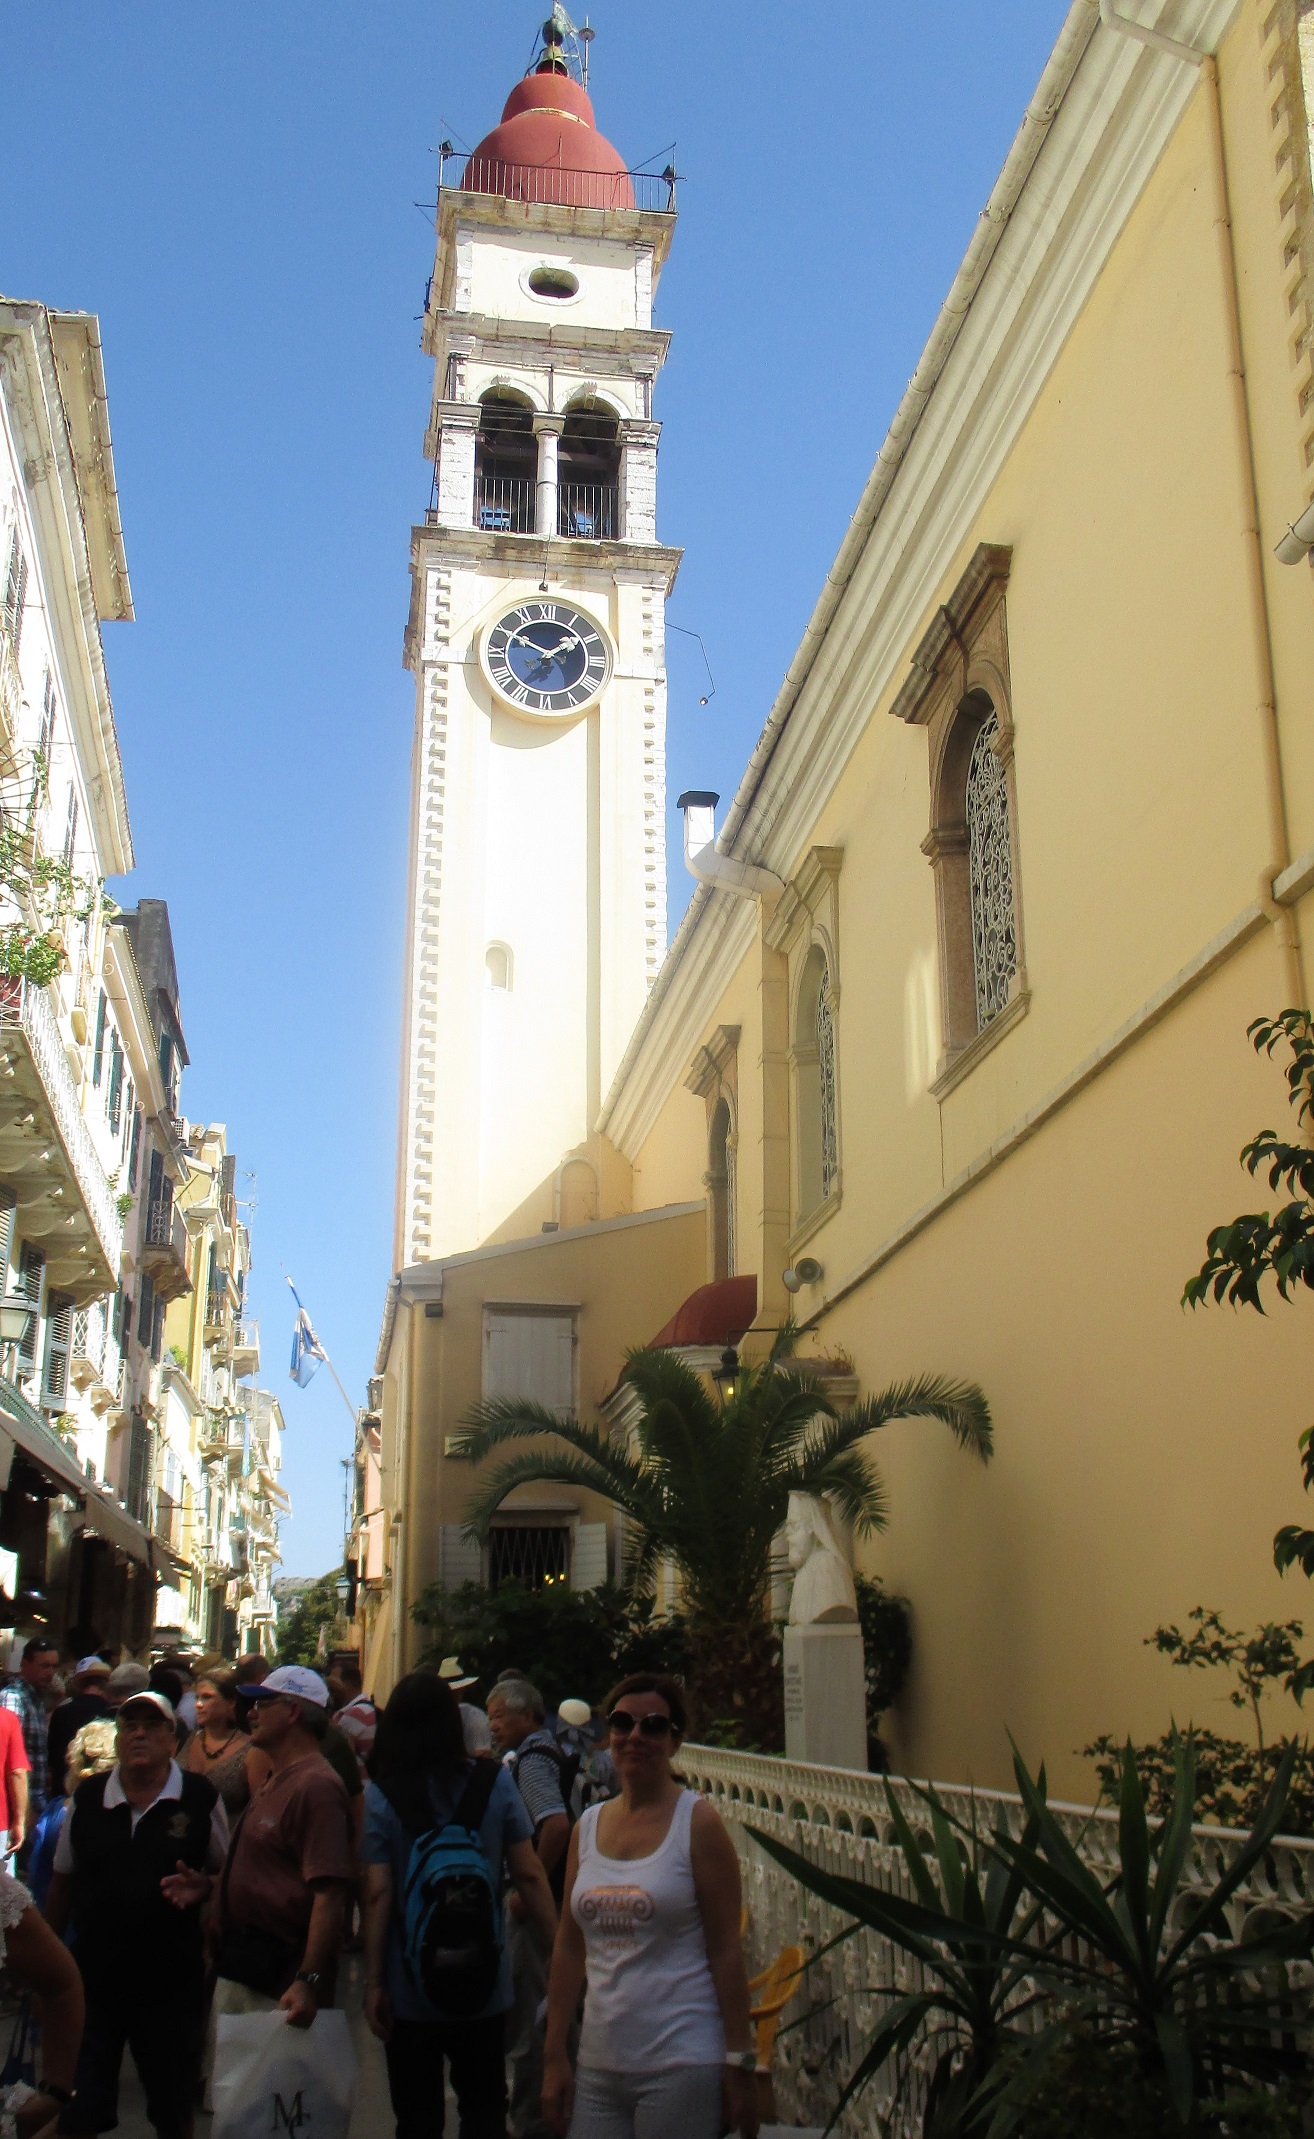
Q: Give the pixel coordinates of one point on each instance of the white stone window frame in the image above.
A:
(960, 678)
(805, 928)
(713, 1077)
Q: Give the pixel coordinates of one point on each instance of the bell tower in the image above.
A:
(537, 889)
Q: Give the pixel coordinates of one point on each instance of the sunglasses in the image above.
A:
(620, 1723)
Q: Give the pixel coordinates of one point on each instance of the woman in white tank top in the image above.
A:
(650, 1917)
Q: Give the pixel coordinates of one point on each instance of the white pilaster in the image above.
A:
(547, 430)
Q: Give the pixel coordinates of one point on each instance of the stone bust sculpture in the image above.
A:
(823, 1581)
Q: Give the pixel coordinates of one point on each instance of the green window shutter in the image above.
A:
(99, 1049)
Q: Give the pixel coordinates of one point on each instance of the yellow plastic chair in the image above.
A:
(773, 1990)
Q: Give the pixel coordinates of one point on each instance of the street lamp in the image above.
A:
(342, 1588)
(15, 1317)
(727, 1373)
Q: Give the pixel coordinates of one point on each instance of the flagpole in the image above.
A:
(327, 1361)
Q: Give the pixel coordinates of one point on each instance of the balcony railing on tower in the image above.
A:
(588, 512)
(505, 504)
(558, 185)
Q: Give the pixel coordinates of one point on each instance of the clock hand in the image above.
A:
(546, 653)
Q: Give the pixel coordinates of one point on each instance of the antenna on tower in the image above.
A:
(561, 48)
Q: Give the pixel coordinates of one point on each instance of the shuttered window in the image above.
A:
(588, 1561)
(47, 742)
(59, 1336)
(146, 1310)
(71, 828)
(31, 1277)
(530, 1355)
(134, 1149)
(114, 1103)
(98, 1051)
(6, 1235)
(15, 593)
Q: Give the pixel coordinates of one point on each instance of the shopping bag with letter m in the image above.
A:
(272, 2081)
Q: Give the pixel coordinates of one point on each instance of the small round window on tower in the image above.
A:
(555, 282)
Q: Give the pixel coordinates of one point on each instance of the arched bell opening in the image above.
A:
(588, 473)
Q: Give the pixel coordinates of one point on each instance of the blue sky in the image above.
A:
(233, 189)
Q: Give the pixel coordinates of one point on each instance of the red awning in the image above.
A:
(718, 1313)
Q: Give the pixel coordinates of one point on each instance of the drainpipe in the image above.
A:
(1282, 919)
(744, 880)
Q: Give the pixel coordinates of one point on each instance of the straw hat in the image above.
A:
(449, 1670)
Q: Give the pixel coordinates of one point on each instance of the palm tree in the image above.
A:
(705, 1485)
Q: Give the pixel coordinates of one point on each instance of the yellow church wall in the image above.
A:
(1145, 1454)
(1142, 825)
(1263, 150)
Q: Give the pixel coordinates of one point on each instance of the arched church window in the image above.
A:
(497, 967)
(826, 1088)
(588, 473)
(990, 874)
(721, 1189)
(506, 464)
(816, 1097)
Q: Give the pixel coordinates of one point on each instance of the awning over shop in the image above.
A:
(103, 1517)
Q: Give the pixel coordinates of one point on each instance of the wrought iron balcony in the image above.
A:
(588, 512)
(47, 1154)
(168, 1524)
(557, 186)
(506, 504)
(218, 1313)
(164, 1250)
(246, 1348)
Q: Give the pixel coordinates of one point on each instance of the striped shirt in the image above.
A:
(537, 1770)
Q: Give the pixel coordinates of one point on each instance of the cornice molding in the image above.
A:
(711, 1062)
(817, 875)
(944, 636)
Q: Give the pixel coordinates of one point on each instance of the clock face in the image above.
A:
(545, 657)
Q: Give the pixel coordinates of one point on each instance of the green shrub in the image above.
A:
(316, 1608)
(886, 1623)
(570, 1643)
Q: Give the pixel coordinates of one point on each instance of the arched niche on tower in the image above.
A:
(588, 470)
(506, 462)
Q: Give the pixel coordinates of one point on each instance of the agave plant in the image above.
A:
(1146, 1963)
(1155, 1965)
(705, 1486)
(971, 1929)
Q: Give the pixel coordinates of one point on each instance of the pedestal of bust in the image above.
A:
(825, 1695)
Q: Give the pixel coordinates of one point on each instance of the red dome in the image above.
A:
(548, 148)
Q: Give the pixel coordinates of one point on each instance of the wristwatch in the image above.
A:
(742, 2060)
(310, 1978)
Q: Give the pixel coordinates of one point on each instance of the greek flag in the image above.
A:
(307, 1351)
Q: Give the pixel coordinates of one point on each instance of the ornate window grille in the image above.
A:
(730, 1204)
(990, 874)
(826, 1088)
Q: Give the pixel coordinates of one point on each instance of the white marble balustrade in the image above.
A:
(841, 1819)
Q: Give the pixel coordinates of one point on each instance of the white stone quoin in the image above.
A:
(537, 906)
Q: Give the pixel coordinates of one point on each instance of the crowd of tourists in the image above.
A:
(546, 1918)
